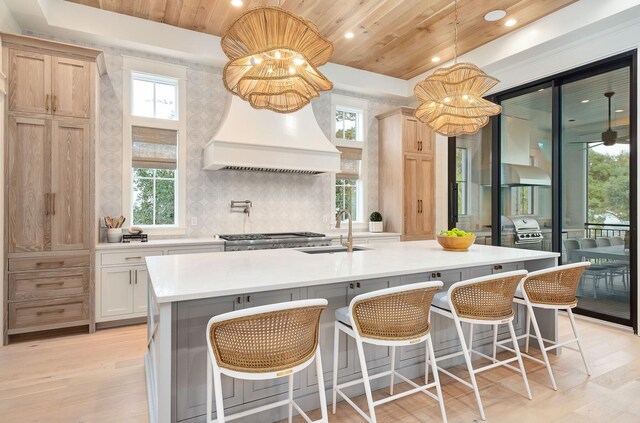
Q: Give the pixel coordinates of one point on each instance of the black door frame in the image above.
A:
(629, 58)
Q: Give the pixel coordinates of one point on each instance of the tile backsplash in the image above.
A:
(280, 201)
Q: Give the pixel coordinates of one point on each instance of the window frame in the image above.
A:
(160, 72)
(360, 106)
(464, 159)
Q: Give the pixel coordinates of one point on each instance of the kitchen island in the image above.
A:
(186, 290)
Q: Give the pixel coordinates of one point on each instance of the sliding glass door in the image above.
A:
(596, 195)
(557, 171)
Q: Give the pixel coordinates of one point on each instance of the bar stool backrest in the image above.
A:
(603, 242)
(556, 285)
(616, 240)
(589, 243)
(267, 338)
(486, 298)
(397, 314)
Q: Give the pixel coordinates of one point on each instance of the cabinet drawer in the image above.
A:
(127, 257)
(52, 284)
(58, 261)
(48, 313)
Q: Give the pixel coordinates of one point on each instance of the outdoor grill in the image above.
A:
(526, 230)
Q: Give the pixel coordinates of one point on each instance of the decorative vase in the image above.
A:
(376, 226)
(114, 234)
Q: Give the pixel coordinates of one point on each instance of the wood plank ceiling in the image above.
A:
(398, 38)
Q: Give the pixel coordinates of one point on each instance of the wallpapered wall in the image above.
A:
(280, 201)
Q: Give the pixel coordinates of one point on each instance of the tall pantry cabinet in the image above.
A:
(406, 175)
(49, 174)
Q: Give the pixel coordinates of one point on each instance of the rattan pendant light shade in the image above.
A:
(273, 59)
(451, 100)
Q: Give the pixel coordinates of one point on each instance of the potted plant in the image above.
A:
(375, 222)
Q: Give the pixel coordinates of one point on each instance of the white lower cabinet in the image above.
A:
(122, 279)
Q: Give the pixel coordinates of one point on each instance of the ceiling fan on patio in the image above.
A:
(609, 137)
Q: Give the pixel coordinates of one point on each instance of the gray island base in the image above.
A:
(186, 290)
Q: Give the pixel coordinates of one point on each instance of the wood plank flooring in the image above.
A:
(100, 378)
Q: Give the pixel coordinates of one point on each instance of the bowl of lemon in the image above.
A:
(456, 239)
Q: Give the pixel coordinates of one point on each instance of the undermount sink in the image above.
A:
(330, 250)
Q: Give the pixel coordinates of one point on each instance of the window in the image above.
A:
(153, 162)
(154, 125)
(154, 97)
(349, 115)
(462, 178)
(522, 199)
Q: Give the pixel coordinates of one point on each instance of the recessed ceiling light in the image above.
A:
(510, 22)
(236, 3)
(348, 35)
(495, 15)
(584, 101)
(541, 89)
(435, 59)
(572, 120)
(619, 111)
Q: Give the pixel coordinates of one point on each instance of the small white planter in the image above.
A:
(376, 226)
(114, 234)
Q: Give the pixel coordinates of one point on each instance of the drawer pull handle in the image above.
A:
(239, 300)
(133, 258)
(44, 263)
(57, 311)
(351, 286)
(54, 105)
(46, 102)
(357, 284)
(38, 285)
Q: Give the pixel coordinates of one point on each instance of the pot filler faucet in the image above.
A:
(244, 206)
(349, 243)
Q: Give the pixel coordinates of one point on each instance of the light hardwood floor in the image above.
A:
(100, 378)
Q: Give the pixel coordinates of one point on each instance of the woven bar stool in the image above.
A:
(482, 301)
(393, 317)
(551, 289)
(265, 342)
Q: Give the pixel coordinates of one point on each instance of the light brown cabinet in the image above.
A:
(49, 132)
(406, 178)
(41, 83)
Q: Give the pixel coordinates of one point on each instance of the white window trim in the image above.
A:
(131, 65)
(360, 106)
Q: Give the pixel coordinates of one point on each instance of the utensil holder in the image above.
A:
(114, 234)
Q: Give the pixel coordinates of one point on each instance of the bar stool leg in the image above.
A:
(575, 332)
(427, 360)
(336, 339)
(516, 347)
(291, 398)
(467, 359)
(495, 341)
(321, 391)
(536, 330)
(470, 336)
(528, 333)
(365, 381)
(393, 368)
(209, 389)
(436, 377)
(217, 385)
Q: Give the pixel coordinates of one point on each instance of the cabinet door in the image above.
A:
(259, 389)
(425, 196)
(29, 82)
(425, 139)
(28, 185)
(410, 128)
(71, 87)
(338, 295)
(191, 357)
(411, 204)
(69, 185)
(140, 283)
(116, 291)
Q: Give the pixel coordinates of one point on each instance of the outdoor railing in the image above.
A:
(596, 230)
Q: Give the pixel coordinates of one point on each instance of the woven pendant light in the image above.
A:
(273, 59)
(451, 98)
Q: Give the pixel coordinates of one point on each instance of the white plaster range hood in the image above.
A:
(262, 140)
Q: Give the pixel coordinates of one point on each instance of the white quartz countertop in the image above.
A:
(159, 243)
(204, 241)
(193, 276)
